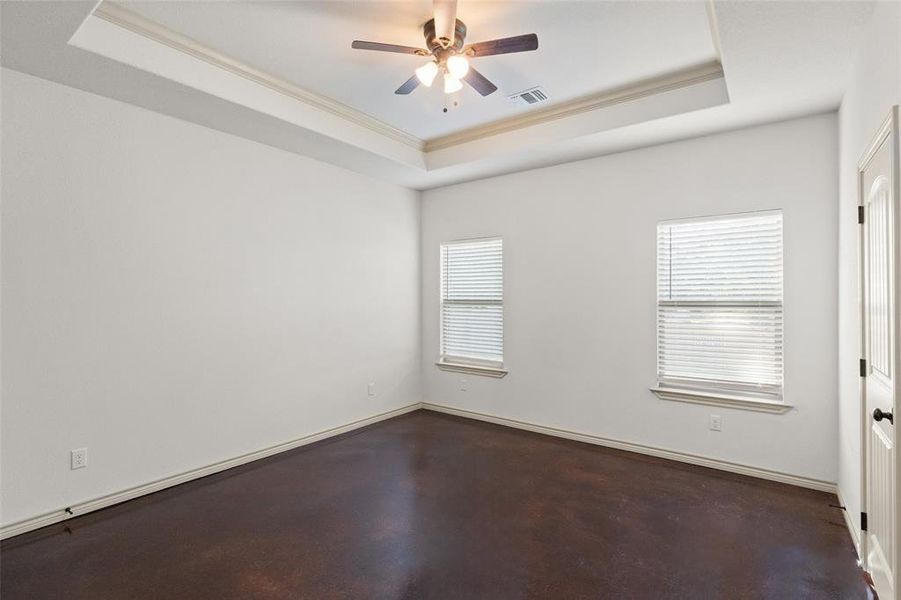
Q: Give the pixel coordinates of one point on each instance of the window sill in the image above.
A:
(722, 399)
(472, 369)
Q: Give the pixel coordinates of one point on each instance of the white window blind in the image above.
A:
(719, 304)
(472, 302)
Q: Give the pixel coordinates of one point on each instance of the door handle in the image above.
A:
(878, 415)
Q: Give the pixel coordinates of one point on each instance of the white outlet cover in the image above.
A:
(370, 389)
(716, 423)
(463, 384)
(79, 458)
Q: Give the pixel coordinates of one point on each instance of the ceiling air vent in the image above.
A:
(530, 96)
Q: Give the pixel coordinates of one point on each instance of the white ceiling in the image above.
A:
(780, 60)
(603, 45)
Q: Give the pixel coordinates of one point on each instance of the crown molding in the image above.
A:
(127, 19)
(713, 25)
(649, 87)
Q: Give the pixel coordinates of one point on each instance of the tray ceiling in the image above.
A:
(621, 75)
(585, 48)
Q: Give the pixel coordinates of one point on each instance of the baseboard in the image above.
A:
(62, 514)
(694, 459)
(81, 508)
(849, 523)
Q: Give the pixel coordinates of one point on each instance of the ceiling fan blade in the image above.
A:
(361, 45)
(519, 43)
(445, 12)
(408, 86)
(479, 82)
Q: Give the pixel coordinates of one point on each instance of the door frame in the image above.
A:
(888, 128)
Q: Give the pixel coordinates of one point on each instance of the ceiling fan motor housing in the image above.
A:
(441, 47)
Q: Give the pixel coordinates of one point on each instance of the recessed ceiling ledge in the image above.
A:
(122, 35)
(674, 94)
(118, 33)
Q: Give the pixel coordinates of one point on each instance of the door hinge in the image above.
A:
(863, 367)
(860, 215)
(863, 521)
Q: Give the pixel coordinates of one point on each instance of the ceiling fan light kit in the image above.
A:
(458, 66)
(427, 72)
(450, 56)
(451, 84)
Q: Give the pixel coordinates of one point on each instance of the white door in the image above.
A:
(878, 178)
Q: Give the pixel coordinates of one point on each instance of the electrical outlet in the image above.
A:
(464, 383)
(370, 389)
(79, 458)
(716, 423)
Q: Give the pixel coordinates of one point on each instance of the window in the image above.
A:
(719, 305)
(472, 304)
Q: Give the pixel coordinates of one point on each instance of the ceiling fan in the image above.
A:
(444, 36)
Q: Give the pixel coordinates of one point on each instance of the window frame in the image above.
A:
(463, 364)
(734, 394)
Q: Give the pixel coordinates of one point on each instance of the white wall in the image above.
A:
(173, 296)
(874, 87)
(579, 245)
